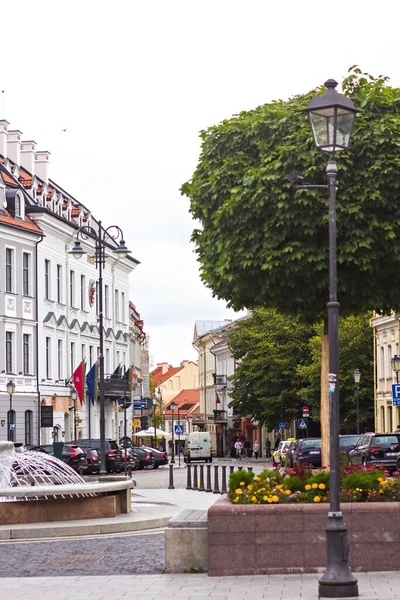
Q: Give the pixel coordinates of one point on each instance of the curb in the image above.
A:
(25, 533)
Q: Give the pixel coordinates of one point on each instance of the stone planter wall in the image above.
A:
(290, 538)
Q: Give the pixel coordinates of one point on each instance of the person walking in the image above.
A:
(268, 449)
(238, 446)
(247, 448)
(256, 449)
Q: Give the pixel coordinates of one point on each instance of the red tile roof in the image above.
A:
(159, 378)
(187, 401)
(27, 224)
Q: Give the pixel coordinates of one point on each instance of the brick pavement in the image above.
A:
(373, 586)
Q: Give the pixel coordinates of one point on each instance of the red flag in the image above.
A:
(79, 380)
(217, 401)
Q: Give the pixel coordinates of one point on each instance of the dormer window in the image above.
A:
(18, 206)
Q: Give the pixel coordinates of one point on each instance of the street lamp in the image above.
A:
(331, 118)
(396, 366)
(11, 424)
(179, 437)
(357, 377)
(173, 407)
(102, 238)
(154, 400)
(73, 398)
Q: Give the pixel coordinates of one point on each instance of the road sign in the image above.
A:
(302, 424)
(396, 394)
(147, 403)
(282, 426)
(124, 402)
(12, 427)
(179, 429)
(306, 412)
(137, 405)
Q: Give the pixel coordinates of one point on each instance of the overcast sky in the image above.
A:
(135, 81)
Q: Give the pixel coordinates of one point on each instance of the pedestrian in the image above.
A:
(247, 447)
(238, 446)
(278, 441)
(256, 449)
(268, 448)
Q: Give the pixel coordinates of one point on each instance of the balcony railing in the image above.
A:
(115, 387)
(220, 416)
(199, 418)
(220, 380)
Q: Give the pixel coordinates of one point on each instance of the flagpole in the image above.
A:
(90, 429)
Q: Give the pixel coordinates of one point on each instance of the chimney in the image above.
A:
(164, 367)
(14, 146)
(42, 165)
(3, 137)
(28, 156)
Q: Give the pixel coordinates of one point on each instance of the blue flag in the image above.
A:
(91, 382)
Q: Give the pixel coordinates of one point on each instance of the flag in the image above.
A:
(217, 400)
(117, 373)
(91, 382)
(78, 378)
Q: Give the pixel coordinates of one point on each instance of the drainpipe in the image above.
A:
(37, 336)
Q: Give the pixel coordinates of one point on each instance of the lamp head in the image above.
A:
(357, 376)
(172, 406)
(331, 119)
(73, 394)
(154, 400)
(396, 363)
(10, 387)
(77, 251)
(122, 249)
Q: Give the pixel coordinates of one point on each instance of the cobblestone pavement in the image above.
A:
(114, 555)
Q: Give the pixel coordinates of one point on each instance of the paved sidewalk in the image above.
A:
(372, 586)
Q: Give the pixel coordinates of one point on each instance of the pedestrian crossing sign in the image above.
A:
(302, 424)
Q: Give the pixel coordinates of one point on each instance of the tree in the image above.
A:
(269, 348)
(263, 244)
(356, 352)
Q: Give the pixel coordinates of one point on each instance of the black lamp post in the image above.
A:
(173, 407)
(102, 238)
(11, 424)
(357, 377)
(73, 398)
(331, 118)
(396, 366)
(154, 401)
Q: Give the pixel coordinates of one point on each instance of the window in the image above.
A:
(59, 359)
(83, 292)
(26, 259)
(122, 307)
(71, 288)
(9, 269)
(25, 349)
(107, 301)
(97, 353)
(382, 363)
(11, 425)
(90, 356)
(72, 355)
(9, 351)
(48, 358)
(47, 279)
(59, 283)
(28, 426)
(116, 305)
(17, 205)
(389, 363)
(108, 361)
(117, 357)
(83, 351)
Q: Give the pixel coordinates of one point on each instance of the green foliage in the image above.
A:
(320, 477)
(260, 243)
(237, 477)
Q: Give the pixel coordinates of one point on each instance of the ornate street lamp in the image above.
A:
(357, 377)
(396, 366)
(11, 424)
(331, 118)
(73, 398)
(173, 407)
(102, 238)
(154, 401)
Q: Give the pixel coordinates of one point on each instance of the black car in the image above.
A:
(160, 458)
(308, 452)
(93, 462)
(290, 452)
(347, 442)
(113, 453)
(133, 461)
(146, 460)
(73, 455)
(377, 449)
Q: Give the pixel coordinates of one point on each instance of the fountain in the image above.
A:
(37, 487)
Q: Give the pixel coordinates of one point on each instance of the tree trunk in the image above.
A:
(325, 412)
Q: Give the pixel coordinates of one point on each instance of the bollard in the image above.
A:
(240, 468)
(201, 488)
(223, 483)
(216, 486)
(80, 471)
(130, 472)
(189, 477)
(208, 486)
(171, 477)
(231, 469)
(195, 482)
(250, 469)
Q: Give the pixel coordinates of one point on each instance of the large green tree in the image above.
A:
(260, 243)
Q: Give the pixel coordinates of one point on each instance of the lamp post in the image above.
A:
(331, 118)
(154, 401)
(173, 407)
(73, 398)
(11, 424)
(102, 238)
(189, 420)
(357, 377)
(179, 437)
(396, 366)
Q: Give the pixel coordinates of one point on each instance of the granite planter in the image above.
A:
(290, 538)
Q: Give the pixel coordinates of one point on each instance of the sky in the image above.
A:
(134, 82)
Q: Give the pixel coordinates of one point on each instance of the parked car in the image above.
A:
(290, 452)
(93, 462)
(347, 442)
(281, 450)
(112, 451)
(308, 452)
(73, 455)
(378, 449)
(160, 458)
(133, 461)
(146, 459)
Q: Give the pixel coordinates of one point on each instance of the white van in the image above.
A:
(197, 447)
